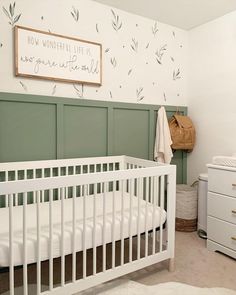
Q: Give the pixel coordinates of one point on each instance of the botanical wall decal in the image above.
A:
(75, 14)
(79, 89)
(130, 58)
(160, 52)
(164, 95)
(130, 71)
(155, 29)
(10, 13)
(134, 45)
(139, 94)
(113, 62)
(176, 75)
(23, 86)
(116, 22)
(54, 89)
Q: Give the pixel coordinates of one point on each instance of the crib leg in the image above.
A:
(171, 264)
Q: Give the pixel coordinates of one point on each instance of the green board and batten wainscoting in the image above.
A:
(39, 127)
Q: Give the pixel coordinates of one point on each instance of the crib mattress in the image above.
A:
(110, 227)
(224, 161)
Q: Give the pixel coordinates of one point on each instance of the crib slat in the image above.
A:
(162, 207)
(104, 227)
(51, 239)
(11, 241)
(84, 232)
(43, 192)
(62, 197)
(38, 244)
(146, 217)
(6, 197)
(74, 236)
(154, 215)
(25, 278)
(113, 225)
(16, 195)
(158, 205)
(34, 193)
(95, 230)
(138, 220)
(131, 184)
(122, 222)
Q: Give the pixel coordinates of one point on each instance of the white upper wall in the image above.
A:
(184, 14)
(131, 71)
(212, 91)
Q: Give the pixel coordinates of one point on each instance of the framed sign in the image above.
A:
(50, 56)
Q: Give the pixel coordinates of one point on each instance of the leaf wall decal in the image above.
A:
(11, 14)
(159, 53)
(116, 23)
(155, 29)
(23, 86)
(139, 94)
(75, 13)
(176, 75)
(54, 89)
(79, 92)
(134, 45)
(113, 61)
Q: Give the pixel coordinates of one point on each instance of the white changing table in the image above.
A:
(221, 212)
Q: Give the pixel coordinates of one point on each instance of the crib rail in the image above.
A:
(55, 168)
(122, 219)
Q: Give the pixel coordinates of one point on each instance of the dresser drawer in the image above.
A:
(221, 232)
(222, 207)
(222, 181)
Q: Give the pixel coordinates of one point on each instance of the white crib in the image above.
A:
(119, 209)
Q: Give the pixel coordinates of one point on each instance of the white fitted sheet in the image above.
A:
(68, 233)
(224, 161)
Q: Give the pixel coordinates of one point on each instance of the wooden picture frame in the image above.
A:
(49, 56)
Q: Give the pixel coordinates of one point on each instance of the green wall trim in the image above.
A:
(60, 127)
(110, 131)
(60, 130)
(5, 96)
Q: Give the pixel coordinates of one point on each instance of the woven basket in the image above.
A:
(186, 208)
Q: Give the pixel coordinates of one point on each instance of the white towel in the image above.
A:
(162, 150)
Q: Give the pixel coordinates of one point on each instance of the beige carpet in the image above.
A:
(195, 265)
(124, 287)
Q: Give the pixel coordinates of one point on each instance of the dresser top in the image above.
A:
(227, 168)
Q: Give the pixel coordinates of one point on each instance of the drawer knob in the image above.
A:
(233, 238)
(233, 184)
(234, 211)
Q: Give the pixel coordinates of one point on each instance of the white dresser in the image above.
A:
(221, 210)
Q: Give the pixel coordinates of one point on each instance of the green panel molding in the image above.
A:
(27, 131)
(85, 131)
(34, 127)
(131, 133)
